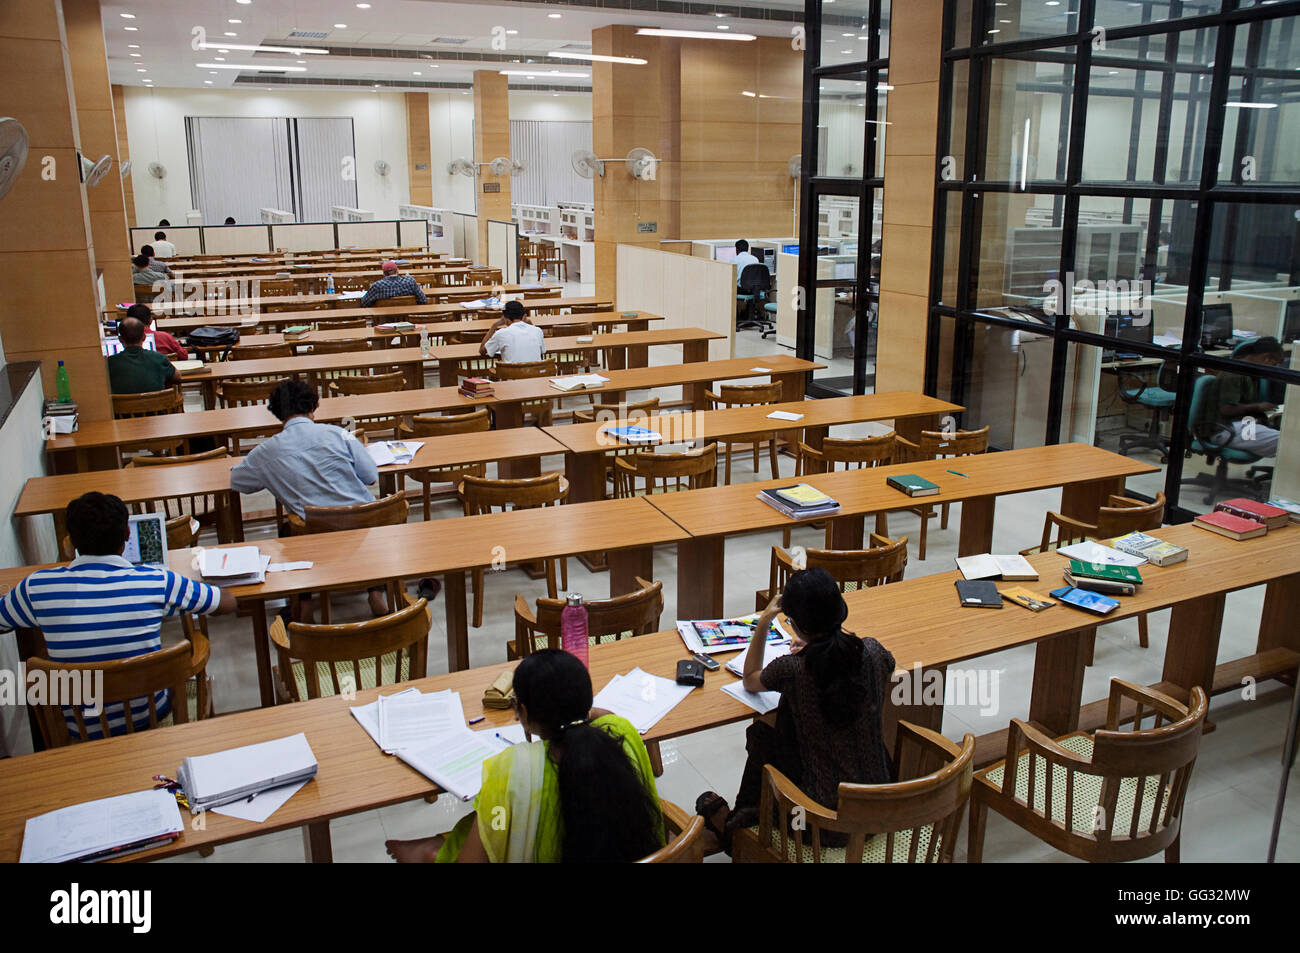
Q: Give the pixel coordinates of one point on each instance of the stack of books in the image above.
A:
(1233, 527)
(1103, 577)
(1273, 517)
(1291, 506)
(476, 387)
(62, 415)
(1155, 551)
(396, 326)
(800, 502)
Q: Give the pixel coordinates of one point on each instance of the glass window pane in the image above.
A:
(951, 247)
(1010, 379)
(1262, 118)
(880, 122)
(1019, 250)
(1027, 121)
(953, 166)
(1027, 19)
(1114, 13)
(844, 31)
(841, 126)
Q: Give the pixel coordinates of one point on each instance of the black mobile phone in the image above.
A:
(690, 672)
(708, 661)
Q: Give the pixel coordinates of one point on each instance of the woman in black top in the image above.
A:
(827, 729)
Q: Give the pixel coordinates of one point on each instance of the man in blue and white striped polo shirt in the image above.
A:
(99, 607)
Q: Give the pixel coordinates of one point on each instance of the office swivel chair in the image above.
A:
(1220, 484)
(755, 283)
(1159, 400)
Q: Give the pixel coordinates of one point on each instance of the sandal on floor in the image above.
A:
(706, 805)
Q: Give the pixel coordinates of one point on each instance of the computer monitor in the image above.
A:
(790, 249)
(1216, 325)
(848, 248)
(113, 345)
(724, 253)
(846, 269)
(1130, 327)
(1291, 322)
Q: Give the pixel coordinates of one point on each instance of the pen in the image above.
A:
(504, 740)
(958, 474)
(475, 721)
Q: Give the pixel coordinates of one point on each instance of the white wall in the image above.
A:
(546, 107)
(451, 136)
(155, 122)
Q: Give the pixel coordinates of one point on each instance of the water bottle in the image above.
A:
(329, 289)
(544, 277)
(424, 340)
(573, 627)
(64, 389)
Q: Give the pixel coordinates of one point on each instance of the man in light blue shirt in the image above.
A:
(743, 258)
(308, 464)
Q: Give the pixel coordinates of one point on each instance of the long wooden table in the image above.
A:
(506, 404)
(1086, 474)
(347, 266)
(51, 494)
(305, 280)
(913, 619)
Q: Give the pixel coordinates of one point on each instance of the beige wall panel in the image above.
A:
(900, 358)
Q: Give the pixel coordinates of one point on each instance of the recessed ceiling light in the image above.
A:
(363, 6)
(300, 61)
(995, 31)
(207, 82)
(133, 46)
(847, 52)
(846, 34)
(133, 29)
(597, 57)
(340, 26)
(746, 92)
(224, 47)
(1004, 21)
(133, 54)
(212, 72)
(127, 16)
(1053, 3)
(287, 69)
(723, 26)
(228, 33)
(142, 70)
(219, 59)
(719, 14)
(555, 16)
(697, 34)
(234, 21)
(417, 73)
(244, 2)
(512, 32)
(220, 50)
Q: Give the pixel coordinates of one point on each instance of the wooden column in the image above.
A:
(47, 265)
(491, 139)
(910, 137)
(417, 148)
(124, 153)
(98, 130)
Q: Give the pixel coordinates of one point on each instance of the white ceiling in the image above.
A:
(166, 32)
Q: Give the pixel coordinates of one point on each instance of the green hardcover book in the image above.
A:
(913, 485)
(1107, 571)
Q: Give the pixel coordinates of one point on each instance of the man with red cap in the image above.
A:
(393, 285)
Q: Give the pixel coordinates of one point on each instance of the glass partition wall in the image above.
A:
(846, 86)
(1116, 251)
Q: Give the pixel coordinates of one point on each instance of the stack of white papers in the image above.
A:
(1092, 552)
(761, 702)
(578, 382)
(784, 415)
(641, 698)
(236, 566)
(350, 295)
(387, 452)
(245, 773)
(481, 303)
(410, 717)
(110, 826)
(454, 760)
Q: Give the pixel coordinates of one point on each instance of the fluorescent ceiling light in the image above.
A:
(133, 54)
(1252, 105)
(228, 33)
(133, 29)
(234, 21)
(533, 72)
(695, 34)
(127, 16)
(597, 57)
(555, 16)
(133, 46)
(207, 82)
(340, 26)
(745, 92)
(252, 66)
(723, 26)
(259, 48)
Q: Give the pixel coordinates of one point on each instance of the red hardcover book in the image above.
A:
(1234, 527)
(1274, 517)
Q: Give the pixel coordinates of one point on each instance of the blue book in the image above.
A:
(1083, 599)
(635, 434)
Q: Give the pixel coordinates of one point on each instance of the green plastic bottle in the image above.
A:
(62, 383)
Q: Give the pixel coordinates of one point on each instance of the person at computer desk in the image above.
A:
(134, 369)
(392, 285)
(162, 340)
(100, 607)
(1236, 418)
(743, 259)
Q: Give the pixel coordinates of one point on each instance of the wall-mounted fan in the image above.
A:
(517, 167)
(382, 167)
(158, 170)
(642, 164)
(587, 164)
(795, 166)
(499, 166)
(13, 152)
(460, 166)
(124, 169)
(92, 172)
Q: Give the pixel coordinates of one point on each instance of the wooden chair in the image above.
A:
(154, 403)
(341, 345)
(624, 414)
(1113, 795)
(245, 392)
(855, 454)
(883, 563)
(180, 669)
(608, 620)
(1121, 515)
(274, 287)
(913, 820)
(320, 660)
(685, 837)
(541, 410)
(665, 472)
(423, 427)
(386, 511)
(483, 495)
(256, 352)
(747, 395)
(354, 384)
(554, 263)
(401, 301)
(204, 507)
(935, 445)
(349, 324)
(580, 361)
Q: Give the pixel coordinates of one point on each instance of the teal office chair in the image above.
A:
(770, 309)
(1220, 456)
(1156, 398)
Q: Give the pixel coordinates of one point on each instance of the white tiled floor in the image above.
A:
(1229, 805)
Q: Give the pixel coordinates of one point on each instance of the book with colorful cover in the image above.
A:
(1083, 599)
(1110, 587)
(1156, 551)
(1027, 598)
(635, 434)
(1274, 517)
(1233, 527)
(1291, 506)
(725, 635)
(829, 508)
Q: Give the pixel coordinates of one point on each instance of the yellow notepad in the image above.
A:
(803, 494)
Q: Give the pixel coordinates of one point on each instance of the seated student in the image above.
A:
(154, 264)
(308, 464)
(143, 274)
(584, 793)
(99, 607)
(162, 247)
(230, 220)
(392, 285)
(1235, 415)
(743, 259)
(135, 370)
(163, 341)
(514, 339)
(163, 223)
(827, 728)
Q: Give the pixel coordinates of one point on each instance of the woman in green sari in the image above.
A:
(584, 793)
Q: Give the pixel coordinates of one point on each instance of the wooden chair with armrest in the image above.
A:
(635, 414)
(852, 569)
(483, 495)
(350, 385)
(665, 472)
(425, 426)
(1113, 795)
(853, 453)
(541, 410)
(747, 395)
(347, 324)
(913, 820)
(341, 345)
(257, 352)
(320, 660)
(245, 392)
(936, 445)
(401, 301)
(208, 508)
(386, 511)
(685, 834)
(154, 403)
